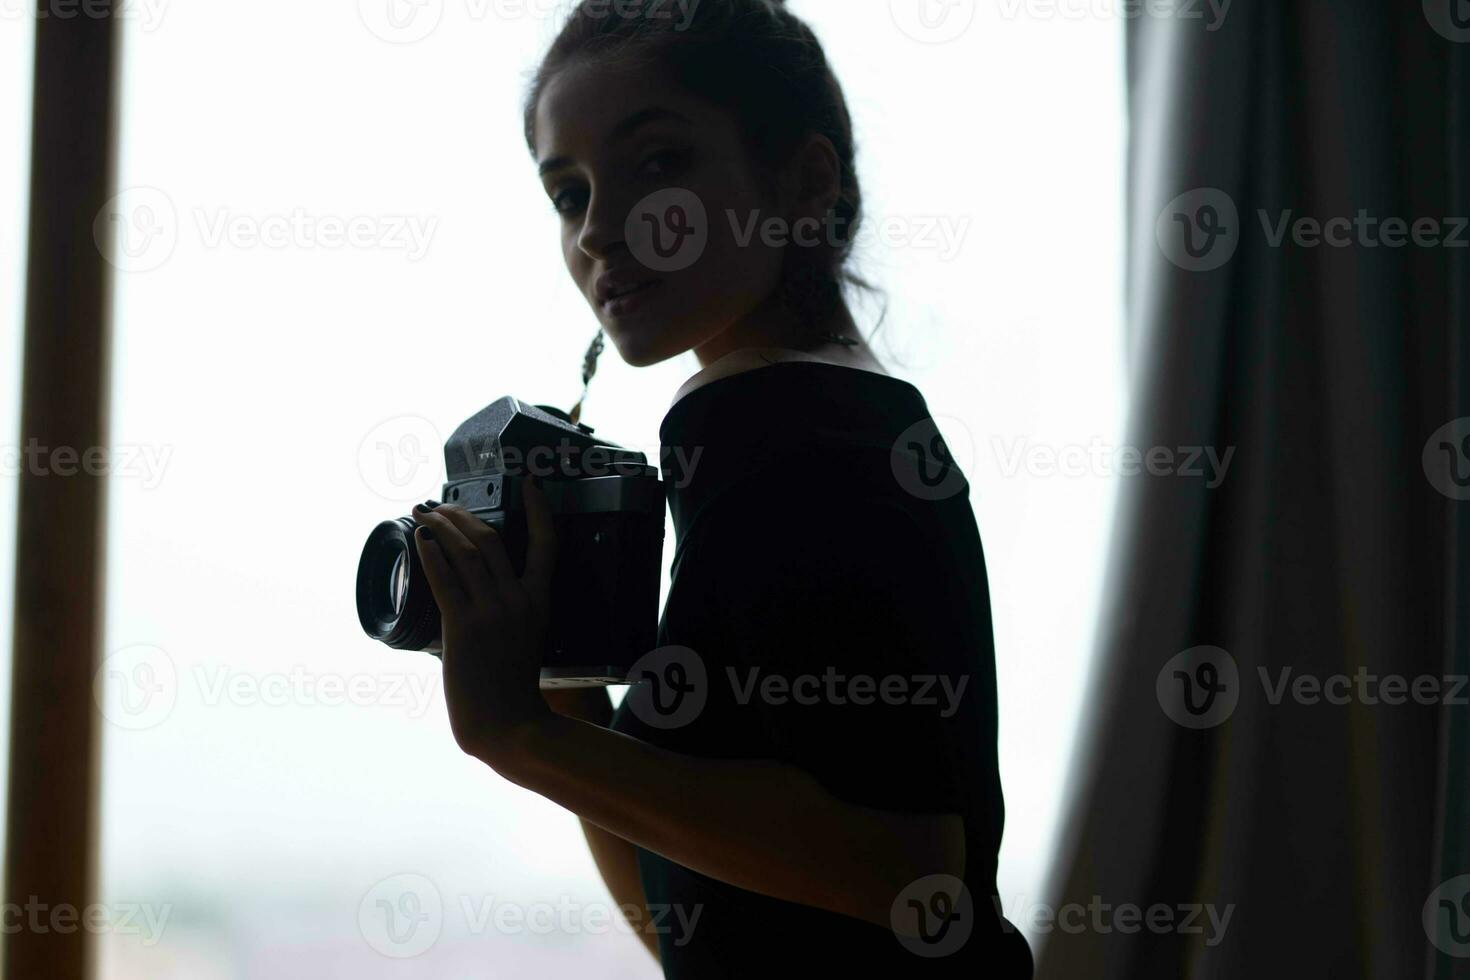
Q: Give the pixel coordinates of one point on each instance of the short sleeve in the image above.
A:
(833, 618)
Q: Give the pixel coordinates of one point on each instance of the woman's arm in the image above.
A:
(616, 860)
(763, 826)
(758, 825)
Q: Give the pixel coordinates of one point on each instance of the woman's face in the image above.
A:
(629, 163)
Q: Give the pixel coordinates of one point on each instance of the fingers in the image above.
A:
(541, 546)
(486, 540)
(464, 532)
(461, 555)
(436, 569)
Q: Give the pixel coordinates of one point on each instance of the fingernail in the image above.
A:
(427, 505)
(425, 533)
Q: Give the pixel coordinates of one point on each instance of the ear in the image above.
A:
(817, 172)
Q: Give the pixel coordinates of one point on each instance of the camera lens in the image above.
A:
(394, 602)
(398, 583)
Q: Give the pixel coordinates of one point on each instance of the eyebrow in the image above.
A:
(621, 131)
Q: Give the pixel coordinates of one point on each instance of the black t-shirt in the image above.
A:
(828, 609)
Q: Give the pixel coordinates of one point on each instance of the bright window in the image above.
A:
(17, 62)
(276, 394)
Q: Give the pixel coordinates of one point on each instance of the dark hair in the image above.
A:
(757, 60)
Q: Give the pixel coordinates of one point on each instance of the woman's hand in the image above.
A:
(494, 622)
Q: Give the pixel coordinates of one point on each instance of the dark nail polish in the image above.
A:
(427, 505)
(426, 534)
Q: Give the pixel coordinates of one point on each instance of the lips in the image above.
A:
(622, 292)
(614, 285)
(630, 302)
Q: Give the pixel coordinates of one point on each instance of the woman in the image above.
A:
(827, 796)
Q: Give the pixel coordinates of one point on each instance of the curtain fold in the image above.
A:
(1453, 832)
(1295, 836)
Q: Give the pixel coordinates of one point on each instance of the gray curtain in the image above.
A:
(1334, 544)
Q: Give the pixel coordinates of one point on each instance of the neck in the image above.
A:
(772, 325)
(749, 345)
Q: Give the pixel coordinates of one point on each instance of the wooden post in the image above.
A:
(51, 840)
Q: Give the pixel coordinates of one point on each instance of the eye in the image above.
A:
(569, 200)
(663, 163)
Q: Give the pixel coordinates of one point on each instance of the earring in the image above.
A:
(589, 369)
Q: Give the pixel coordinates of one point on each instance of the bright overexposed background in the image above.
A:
(274, 399)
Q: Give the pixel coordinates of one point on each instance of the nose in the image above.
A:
(602, 226)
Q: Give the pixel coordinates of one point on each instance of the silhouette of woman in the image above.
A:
(806, 778)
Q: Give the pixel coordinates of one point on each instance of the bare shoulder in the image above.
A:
(754, 358)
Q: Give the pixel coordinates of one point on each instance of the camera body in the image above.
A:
(607, 508)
